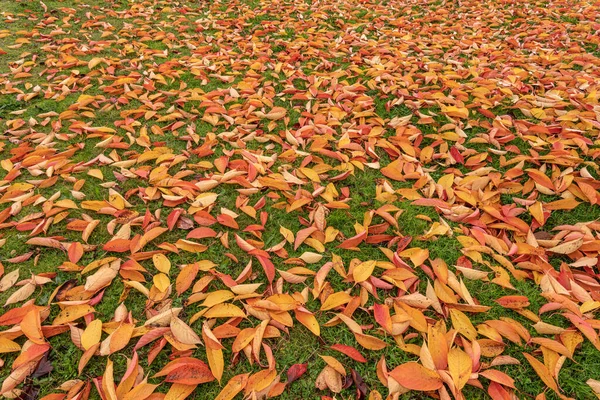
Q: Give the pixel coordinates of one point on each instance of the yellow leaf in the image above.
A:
(453, 111)
(161, 281)
(94, 61)
(463, 324)
(8, 346)
(363, 270)
(335, 300)
(92, 334)
(190, 246)
(538, 113)
(287, 234)
(96, 173)
(6, 164)
(215, 359)
(233, 387)
(335, 364)
(162, 263)
(71, 313)
(108, 382)
(217, 297)
(310, 174)
(460, 367)
(179, 391)
(226, 310)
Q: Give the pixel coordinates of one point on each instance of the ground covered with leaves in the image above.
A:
(298, 199)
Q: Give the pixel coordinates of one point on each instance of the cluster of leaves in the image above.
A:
(412, 186)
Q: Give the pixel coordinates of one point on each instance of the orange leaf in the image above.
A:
(513, 302)
(75, 252)
(414, 376)
(31, 326)
(117, 245)
(186, 371)
(541, 370)
(393, 170)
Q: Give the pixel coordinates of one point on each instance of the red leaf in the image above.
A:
(295, 372)
(350, 352)
(173, 217)
(456, 155)
(268, 267)
(354, 241)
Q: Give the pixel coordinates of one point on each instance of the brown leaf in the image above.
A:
(330, 379)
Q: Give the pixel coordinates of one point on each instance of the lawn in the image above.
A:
(295, 199)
